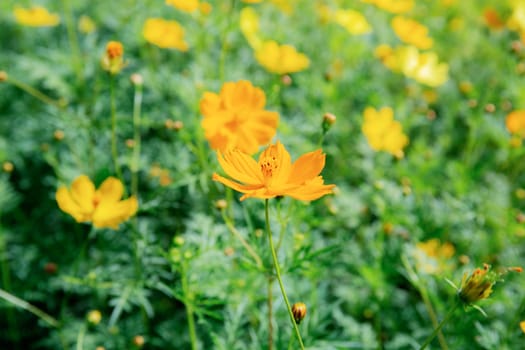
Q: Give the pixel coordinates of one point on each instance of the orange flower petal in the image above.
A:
(240, 167)
(235, 185)
(307, 166)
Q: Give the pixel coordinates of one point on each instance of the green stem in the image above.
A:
(80, 338)
(36, 93)
(28, 307)
(278, 274)
(73, 40)
(224, 46)
(14, 334)
(189, 307)
(245, 244)
(114, 152)
(436, 331)
(270, 312)
(433, 317)
(135, 163)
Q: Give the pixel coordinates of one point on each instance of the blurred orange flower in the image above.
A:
(281, 59)
(235, 118)
(103, 207)
(493, 19)
(274, 174)
(393, 6)
(412, 32)
(113, 60)
(36, 16)
(383, 132)
(164, 34)
(432, 257)
(515, 123)
(184, 5)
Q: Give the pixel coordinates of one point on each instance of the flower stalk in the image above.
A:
(278, 273)
(441, 324)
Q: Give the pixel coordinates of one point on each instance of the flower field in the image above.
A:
(262, 174)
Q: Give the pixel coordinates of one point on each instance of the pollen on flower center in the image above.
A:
(268, 166)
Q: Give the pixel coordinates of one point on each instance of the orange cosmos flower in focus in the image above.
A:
(281, 59)
(35, 16)
(274, 174)
(103, 206)
(235, 118)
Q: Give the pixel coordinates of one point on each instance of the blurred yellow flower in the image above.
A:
(205, 8)
(281, 59)
(432, 257)
(522, 326)
(113, 60)
(103, 206)
(249, 23)
(515, 123)
(235, 118)
(354, 22)
(164, 34)
(184, 5)
(412, 32)
(274, 174)
(382, 132)
(36, 16)
(86, 25)
(517, 19)
(252, 1)
(422, 67)
(393, 6)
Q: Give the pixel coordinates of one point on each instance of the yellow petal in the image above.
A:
(68, 205)
(235, 185)
(281, 162)
(83, 193)
(240, 167)
(307, 167)
(111, 190)
(110, 214)
(310, 191)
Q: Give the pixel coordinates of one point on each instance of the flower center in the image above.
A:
(96, 200)
(268, 166)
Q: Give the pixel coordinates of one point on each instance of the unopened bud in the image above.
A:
(58, 135)
(138, 341)
(299, 312)
(136, 79)
(7, 167)
(50, 268)
(328, 120)
(3, 76)
(221, 204)
(94, 317)
(286, 80)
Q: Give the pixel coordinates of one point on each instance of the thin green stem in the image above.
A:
(224, 46)
(445, 320)
(6, 283)
(237, 235)
(189, 307)
(278, 273)
(135, 163)
(80, 338)
(73, 40)
(28, 307)
(270, 313)
(433, 317)
(37, 93)
(114, 151)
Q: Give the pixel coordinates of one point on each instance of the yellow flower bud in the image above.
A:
(94, 317)
(299, 312)
(3, 76)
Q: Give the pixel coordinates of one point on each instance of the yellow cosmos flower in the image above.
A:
(103, 206)
(515, 123)
(35, 16)
(522, 326)
(353, 21)
(235, 118)
(383, 132)
(249, 23)
(412, 32)
(517, 19)
(281, 59)
(393, 6)
(252, 1)
(274, 174)
(184, 5)
(432, 257)
(86, 25)
(164, 34)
